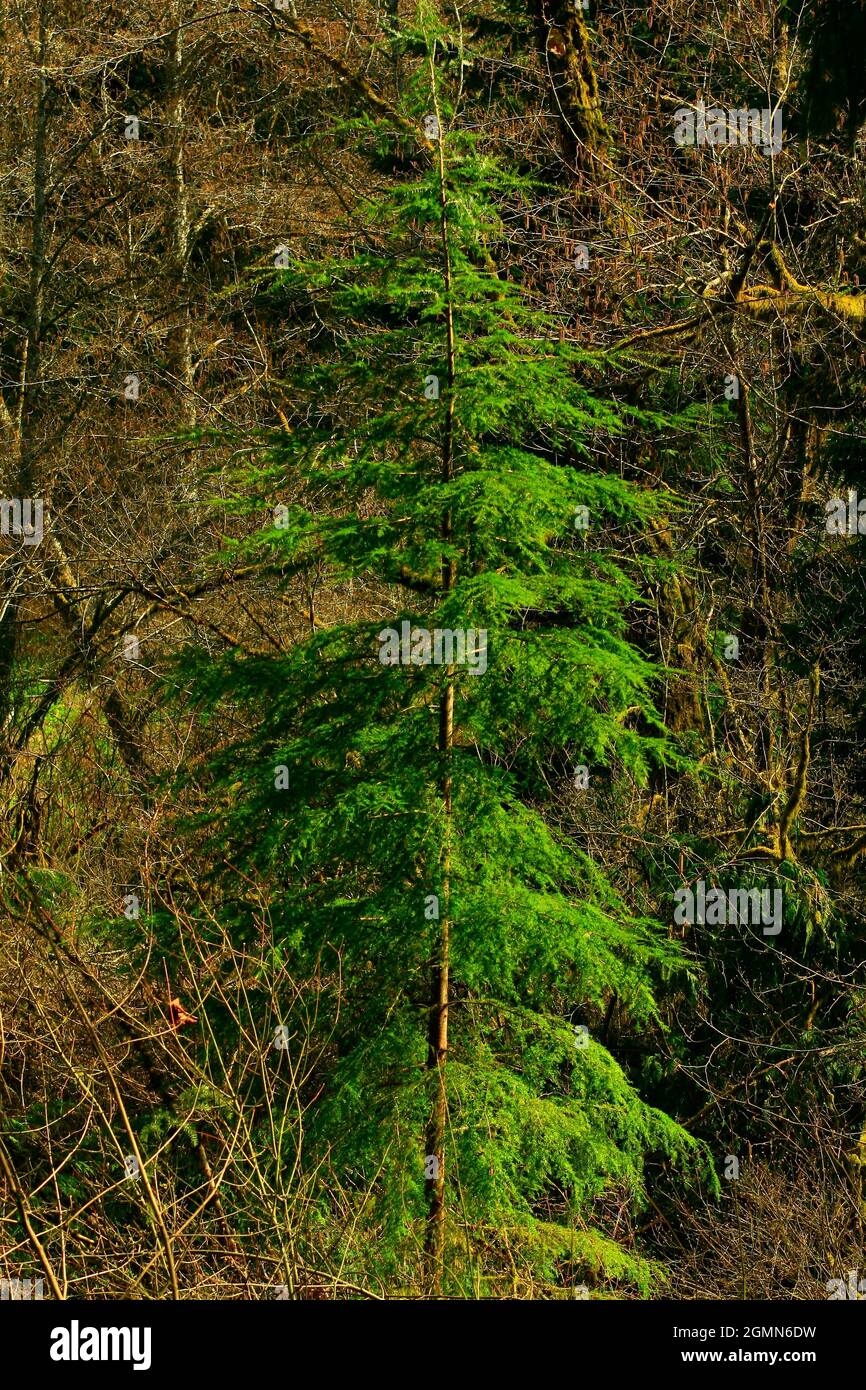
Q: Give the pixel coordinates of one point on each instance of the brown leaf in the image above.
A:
(178, 1015)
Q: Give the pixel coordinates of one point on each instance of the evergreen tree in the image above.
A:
(439, 460)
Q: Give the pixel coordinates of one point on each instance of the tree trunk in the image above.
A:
(437, 1050)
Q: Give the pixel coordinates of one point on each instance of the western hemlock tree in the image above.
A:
(438, 461)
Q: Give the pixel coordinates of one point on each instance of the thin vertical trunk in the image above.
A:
(20, 446)
(180, 230)
(437, 1051)
(767, 748)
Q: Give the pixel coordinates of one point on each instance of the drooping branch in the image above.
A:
(785, 299)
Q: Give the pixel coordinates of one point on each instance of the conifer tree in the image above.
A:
(438, 463)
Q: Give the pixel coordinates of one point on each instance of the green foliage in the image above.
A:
(390, 489)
